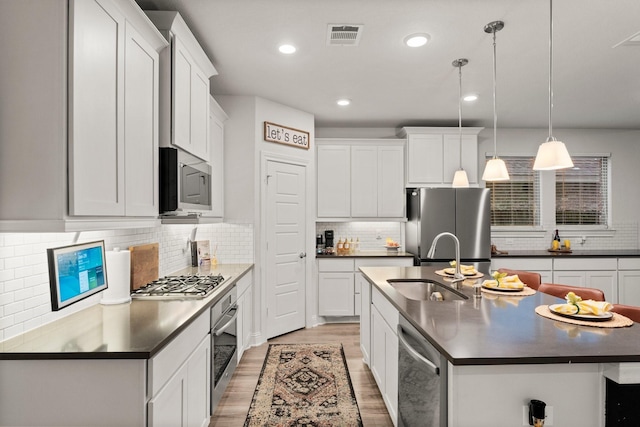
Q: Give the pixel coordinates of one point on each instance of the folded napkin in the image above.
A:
(507, 282)
(575, 305)
(468, 270)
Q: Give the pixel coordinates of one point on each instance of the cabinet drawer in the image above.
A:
(527, 264)
(163, 365)
(386, 309)
(383, 262)
(586, 264)
(628, 263)
(335, 264)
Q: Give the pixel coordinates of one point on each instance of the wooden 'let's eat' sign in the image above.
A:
(285, 135)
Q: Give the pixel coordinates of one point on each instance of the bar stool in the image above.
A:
(630, 311)
(529, 278)
(561, 291)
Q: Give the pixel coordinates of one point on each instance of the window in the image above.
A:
(516, 202)
(582, 192)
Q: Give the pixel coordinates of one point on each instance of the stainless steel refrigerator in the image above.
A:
(465, 212)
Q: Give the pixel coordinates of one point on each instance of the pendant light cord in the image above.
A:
(551, 138)
(460, 113)
(495, 112)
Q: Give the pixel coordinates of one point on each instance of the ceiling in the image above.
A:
(391, 85)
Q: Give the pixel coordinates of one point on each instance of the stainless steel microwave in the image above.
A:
(185, 182)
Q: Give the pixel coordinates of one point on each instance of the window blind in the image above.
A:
(582, 192)
(517, 201)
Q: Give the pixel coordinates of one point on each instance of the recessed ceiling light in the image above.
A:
(417, 40)
(470, 98)
(287, 49)
(343, 102)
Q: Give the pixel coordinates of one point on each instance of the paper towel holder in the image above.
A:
(191, 239)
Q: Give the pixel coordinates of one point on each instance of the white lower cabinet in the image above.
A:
(245, 313)
(365, 318)
(544, 266)
(629, 281)
(384, 351)
(336, 289)
(599, 273)
(179, 380)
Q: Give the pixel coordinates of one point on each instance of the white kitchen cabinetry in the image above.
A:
(544, 266)
(184, 82)
(340, 285)
(599, 273)
(360, 179)
(90, 164)
(217, 117)
(334, 180)
(629, 281)
(336, 287)
(433, 155)
(384, 350)
(245, 312)
(180, 379)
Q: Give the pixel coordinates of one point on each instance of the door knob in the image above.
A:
(303, 255)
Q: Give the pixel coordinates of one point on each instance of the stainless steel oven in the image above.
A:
(422, 380)
(224, 351)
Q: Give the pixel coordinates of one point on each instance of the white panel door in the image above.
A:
(286, 258)
(364, 181)
(424, 159)
(200, 114)
(181, 92)
(629, 287)
(141, 125)
(96, 149)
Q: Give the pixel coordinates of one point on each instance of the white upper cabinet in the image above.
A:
(217, 117)
(360, 179)
(184, 99)
(433, 155)
(91, 162)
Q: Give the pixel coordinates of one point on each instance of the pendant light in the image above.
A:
(460, 179)
(552, 154)
(496, 169)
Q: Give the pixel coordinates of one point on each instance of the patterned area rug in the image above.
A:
(304, 385)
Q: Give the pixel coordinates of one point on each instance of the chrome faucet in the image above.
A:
(458, 276)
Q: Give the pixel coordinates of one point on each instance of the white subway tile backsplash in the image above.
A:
(372, 235)
(24, 273)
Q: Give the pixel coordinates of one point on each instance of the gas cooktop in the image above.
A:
(179, 287)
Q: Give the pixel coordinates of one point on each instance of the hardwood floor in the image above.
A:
(233, 408)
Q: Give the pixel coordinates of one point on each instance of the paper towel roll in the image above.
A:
(118, 276)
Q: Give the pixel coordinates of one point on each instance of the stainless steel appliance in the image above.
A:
(465, 212)
(224, 352)
(422, 380)
(179, 287)
(185, 182)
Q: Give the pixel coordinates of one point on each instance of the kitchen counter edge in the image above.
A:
(605, 253)
(16, 348)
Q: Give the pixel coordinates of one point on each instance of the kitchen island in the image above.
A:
(141, 363)
(501, 354)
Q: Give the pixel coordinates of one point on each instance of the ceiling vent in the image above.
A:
(344, 35)
(634, 40)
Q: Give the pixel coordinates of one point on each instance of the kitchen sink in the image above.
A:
(424, 290)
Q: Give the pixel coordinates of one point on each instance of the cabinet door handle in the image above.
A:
(303, 255)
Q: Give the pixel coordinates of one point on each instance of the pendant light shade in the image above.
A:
(495, 169)
(460, 179)
(552, 154)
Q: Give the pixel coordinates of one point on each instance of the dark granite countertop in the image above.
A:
(499, 330)
(365, 254)
(577, 253)
(136, 330)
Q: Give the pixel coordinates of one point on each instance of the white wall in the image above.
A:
(244, 179)
(24, 276)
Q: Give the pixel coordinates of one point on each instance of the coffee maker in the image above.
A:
(328, 238)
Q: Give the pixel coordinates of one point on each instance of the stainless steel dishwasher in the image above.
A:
(422, 380)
